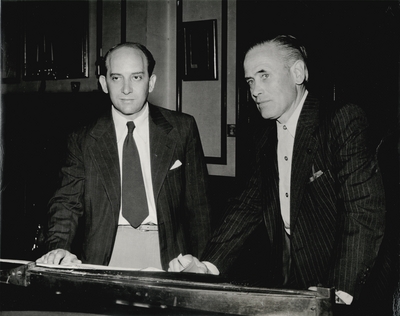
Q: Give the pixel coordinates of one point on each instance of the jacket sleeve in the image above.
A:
(66, 206)
(243, 214)
(241, 218)
(196, 191)
(360, 197)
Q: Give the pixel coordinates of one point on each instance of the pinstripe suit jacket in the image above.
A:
(90, 188)
(337, 220)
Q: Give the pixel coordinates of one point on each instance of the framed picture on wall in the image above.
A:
(55, 39)
(200, 50)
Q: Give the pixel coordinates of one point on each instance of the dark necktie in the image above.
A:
(134, 201)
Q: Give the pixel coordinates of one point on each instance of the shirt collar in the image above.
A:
(140, 123)
(291, 124)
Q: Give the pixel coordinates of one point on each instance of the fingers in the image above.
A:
(69, 259)
(201, 267)
(187, 263)
(41, 259)
(59, 256)
(175, 266)
(52, 257)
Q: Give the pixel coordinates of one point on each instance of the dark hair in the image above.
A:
(290, 47)
(151, 63)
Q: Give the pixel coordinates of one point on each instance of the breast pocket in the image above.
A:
(321, 192)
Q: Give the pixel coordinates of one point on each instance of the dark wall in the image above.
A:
(34, 129)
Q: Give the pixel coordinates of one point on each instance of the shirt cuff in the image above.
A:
(343, 298)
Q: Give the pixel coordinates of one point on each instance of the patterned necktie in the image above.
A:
(134, 201)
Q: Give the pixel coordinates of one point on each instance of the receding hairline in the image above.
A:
(261, 47)
(267, 45)
(143, 56)
(134, 45)
(287, 48)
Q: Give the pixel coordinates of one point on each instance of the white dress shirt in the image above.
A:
(142, 139)
(286, 135)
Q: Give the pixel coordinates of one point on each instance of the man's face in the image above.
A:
(127, 80)
(272, 85)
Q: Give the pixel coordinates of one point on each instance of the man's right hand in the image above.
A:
(188, 263)
(59, 257)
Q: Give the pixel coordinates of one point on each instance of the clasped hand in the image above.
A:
(188, 263)
(59, 257)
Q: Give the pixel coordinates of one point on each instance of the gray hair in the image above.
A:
(290, 48)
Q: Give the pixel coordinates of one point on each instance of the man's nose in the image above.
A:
(127, 87)
(256, 90)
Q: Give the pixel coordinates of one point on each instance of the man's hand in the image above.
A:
(340, 296)
(59, 257)
(188, 263)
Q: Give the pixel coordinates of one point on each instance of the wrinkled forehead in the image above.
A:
(262, 56)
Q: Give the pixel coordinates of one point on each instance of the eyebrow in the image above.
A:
(258, 72)
(133, 73)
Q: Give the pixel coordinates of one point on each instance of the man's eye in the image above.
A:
(137, 78)
(114, 78)
(249, 82)
(264, 76)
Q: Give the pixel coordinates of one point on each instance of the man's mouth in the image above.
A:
(262, 102)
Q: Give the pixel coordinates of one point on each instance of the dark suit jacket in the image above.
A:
(337, 220)
(90, 188)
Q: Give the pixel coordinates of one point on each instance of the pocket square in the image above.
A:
(176, 165)
(316, 175)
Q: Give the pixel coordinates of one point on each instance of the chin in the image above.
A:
(130, 110)
(266, 115)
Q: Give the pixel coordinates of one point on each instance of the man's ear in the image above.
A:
(152, 82)
(103, 83)
(299, 72)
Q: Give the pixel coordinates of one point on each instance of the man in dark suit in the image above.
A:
(176, 206)
(315, 186)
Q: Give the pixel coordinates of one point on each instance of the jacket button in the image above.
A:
(309, 150)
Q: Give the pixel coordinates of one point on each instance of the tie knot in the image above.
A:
(131, 127)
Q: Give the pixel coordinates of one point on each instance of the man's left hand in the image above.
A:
(188, 263)
(340, 296)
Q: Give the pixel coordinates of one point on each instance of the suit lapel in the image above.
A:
(269, 171)
(105, 153)
(162, 147)
(305, 146)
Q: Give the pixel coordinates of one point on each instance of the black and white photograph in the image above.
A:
(200, 157)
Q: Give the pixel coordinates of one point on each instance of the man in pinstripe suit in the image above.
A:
(173, 167)
(315, 186)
